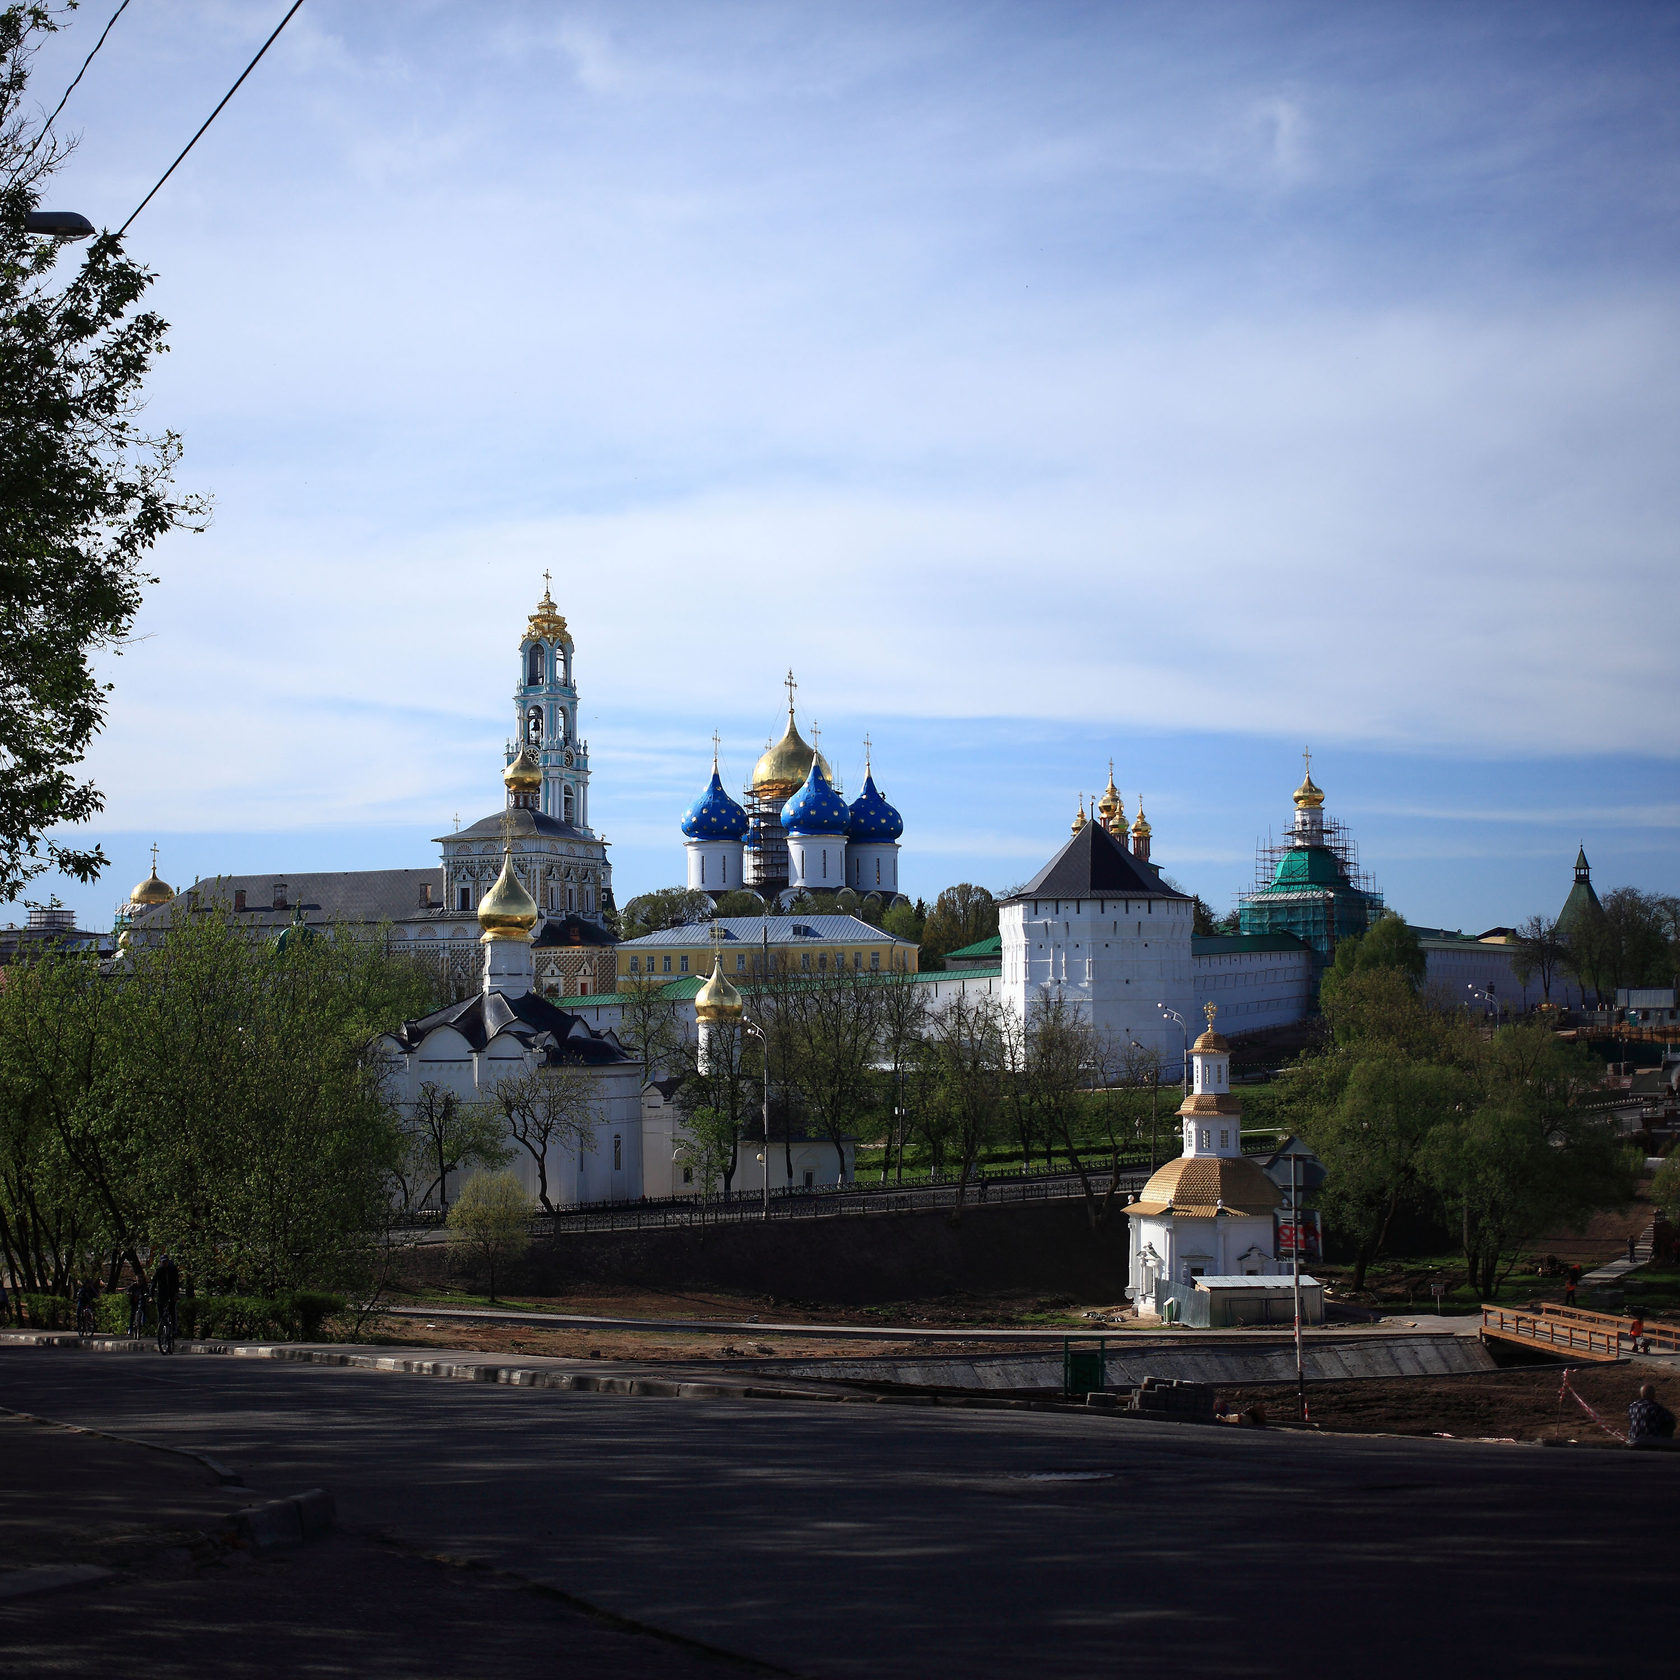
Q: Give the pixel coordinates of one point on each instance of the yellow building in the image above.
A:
(814, 945)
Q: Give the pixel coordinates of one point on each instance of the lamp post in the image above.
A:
(1154, 1102)
(758, 1033)
(1184, 1060)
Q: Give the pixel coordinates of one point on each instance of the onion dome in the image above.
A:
(783, 768)
(547, 624)
(717, 1003)
(524, 774)
(1111, 805)
(507, 911)
(1308, 796)
(1141, 829)
(1079, 817)
(816, 808)
(151, 891)
(714, 815)
(872, 818)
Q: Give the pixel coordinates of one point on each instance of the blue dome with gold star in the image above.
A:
(872, 818)
(816, 808)
(714, 815)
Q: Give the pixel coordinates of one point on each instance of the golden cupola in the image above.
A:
(781, 771)
(1111, 807)
(507, 911)
(524, 774)
(1079, 815)
(717, 1003)
(546, 623)
(1141, 828)
(1308, 796)
(152, 890)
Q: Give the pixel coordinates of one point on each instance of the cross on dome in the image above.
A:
(1210, 1010)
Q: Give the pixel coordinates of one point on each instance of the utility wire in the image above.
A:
(211, 118)
(46, 127)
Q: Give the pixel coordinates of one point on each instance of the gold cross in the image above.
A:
(154, 857)
(507, 831)
(866, 749)
(1306, 753)
(791, 686)
(546, 581)
(1210, 1010)
(716, 741)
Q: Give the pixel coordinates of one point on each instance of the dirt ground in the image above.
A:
(1523, 1404)
(1009, 1311)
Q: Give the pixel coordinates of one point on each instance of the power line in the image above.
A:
(46, 127)
(211, 118)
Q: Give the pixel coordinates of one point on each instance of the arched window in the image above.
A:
(565, 800)
(534, 666)
(533, 724)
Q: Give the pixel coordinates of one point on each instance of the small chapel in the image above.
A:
(1204, 1228)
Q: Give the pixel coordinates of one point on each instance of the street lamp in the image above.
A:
(1154, 1102)
(758, 1033)
(58, 224)
(1184, 1061)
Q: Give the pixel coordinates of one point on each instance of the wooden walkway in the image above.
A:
(1575, 1333)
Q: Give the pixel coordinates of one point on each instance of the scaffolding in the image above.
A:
(1316, 891)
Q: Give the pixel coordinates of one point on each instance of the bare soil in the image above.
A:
(1514, 1405)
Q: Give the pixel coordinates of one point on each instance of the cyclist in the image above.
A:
(136, 1309)
(84, 1308)
(166, 1287)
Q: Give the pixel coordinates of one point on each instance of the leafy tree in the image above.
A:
(961, 915)
(720, 1097)
(84, 492)
(966, 1050)
(1061, 1060)
(743, 901)
(549, 1108)
(668, 907)
(491, 1220)
(443, 1134)
(648, 1026)
(903, 1018)
(905, 920)
(1387, 944)
(1540, 954)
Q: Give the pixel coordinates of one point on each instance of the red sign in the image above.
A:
(1312, 1235)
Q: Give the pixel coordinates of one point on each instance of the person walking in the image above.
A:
(1650, 1422)
(136, 1308)
(1569, 1289)
(1631, 1245)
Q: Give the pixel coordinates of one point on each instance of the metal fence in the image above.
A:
(834, 1202)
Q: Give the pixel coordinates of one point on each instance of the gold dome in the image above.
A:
(524, 774)
(1079, 815)
(546, 624)
(1141, 828)
(1111, 802)
(717, 1003)
(1204, 1186)
(1308, 796)
(782, 770)
(151, 891)
(507, 911)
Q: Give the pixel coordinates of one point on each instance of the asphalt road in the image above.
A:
(884, 1541)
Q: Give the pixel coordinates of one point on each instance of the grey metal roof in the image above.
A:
(525, 824)
(338, 895)
(1278, 1280)
(784, 930)
(482, 1016)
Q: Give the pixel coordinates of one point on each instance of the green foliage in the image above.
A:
(210, 1096)
(491, 1221)
(1388, 944)
(1665, 1188)
(295, 1316)
(961, 915)
(668, 907)
(741, 902)
(1631, 940)
(84, 492)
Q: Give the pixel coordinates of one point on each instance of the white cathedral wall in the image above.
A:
(1457, 972)
(1115, 959)
(1254, 989)
(714, 866)
(817, 861)
(872, 866)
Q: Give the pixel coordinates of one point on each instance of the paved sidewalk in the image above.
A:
(1620, 1268)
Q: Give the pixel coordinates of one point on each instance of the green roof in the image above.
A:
(992, 947)
(1229, 944)
(1304, 867)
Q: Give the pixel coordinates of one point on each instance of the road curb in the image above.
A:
(286, 1522)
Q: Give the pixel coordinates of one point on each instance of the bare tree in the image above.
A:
(648, 1026)
(1061, 1057)
(549, 1108)
(1540, 953)
(967, 1048)
(444, 1134)
(904, 1019)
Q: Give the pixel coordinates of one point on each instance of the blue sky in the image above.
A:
(1180, 383)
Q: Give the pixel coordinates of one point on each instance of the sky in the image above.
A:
(1043, 383)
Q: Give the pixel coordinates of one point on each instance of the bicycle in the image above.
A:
(166, 1327)
(137, 1320)
(84, 1322)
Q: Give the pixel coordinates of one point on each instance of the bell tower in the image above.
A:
(545, 706)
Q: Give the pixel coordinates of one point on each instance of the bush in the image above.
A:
(288, 1318)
